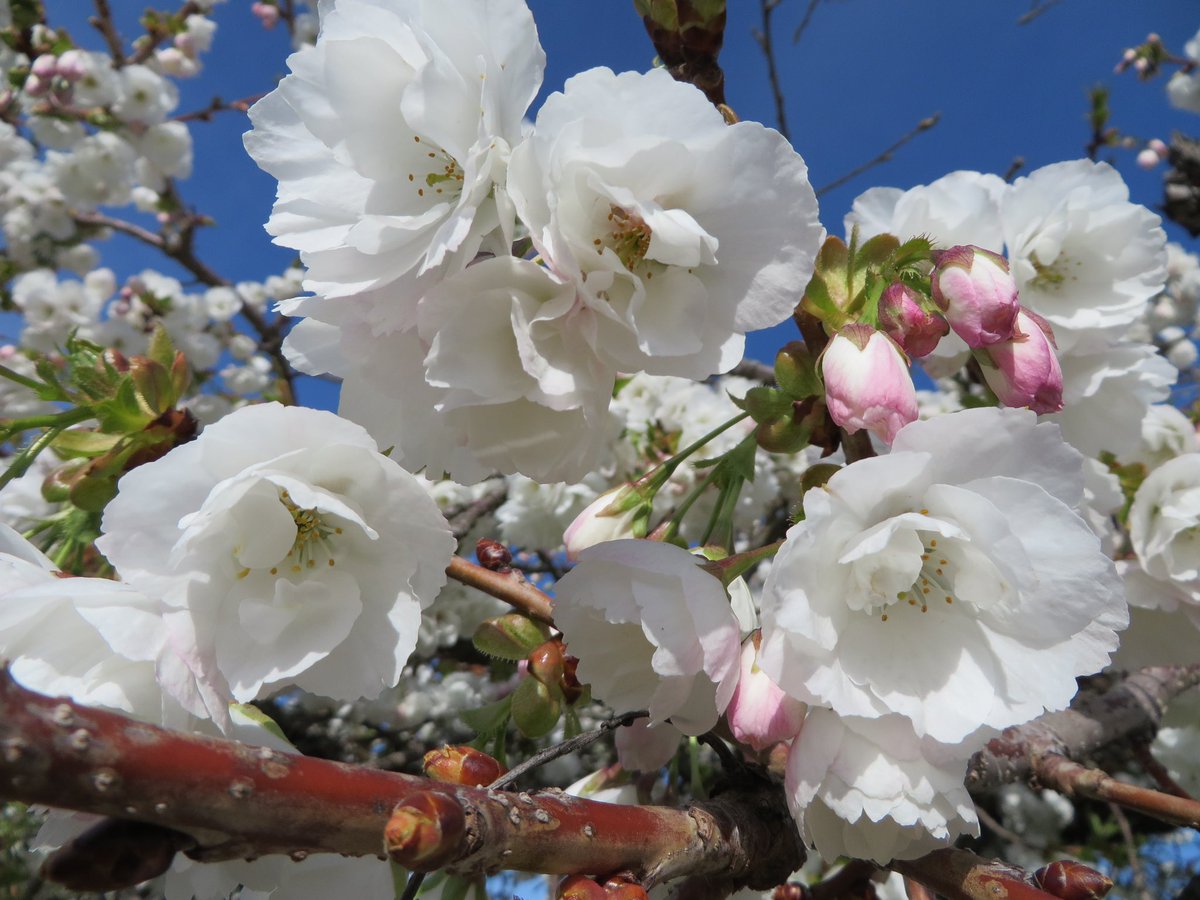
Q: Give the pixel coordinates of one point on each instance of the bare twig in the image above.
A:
(1075, 780)
(989, 821)
(806, 21)
(1037, 7)
(1156, 770)
(766, 44)
(102, 21)
(217, 105)
(567, 747)
(886, 156)
(509, 587)
(1135, 864)
(1014, 167)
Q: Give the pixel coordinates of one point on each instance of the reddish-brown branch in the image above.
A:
(1156, 770)
(1070, 778)
(218, 105)
(102, 21)
(1134, 708)
(961, 875)
(236, 800)
(510, 587)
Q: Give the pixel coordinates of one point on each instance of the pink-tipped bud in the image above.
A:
(759, 713)
(974, 289)
(1159, 147)
(72, 65)
(1024, 372)
(36, 86)
(907, 322)
(45, 66)
(1141, 65)
(598, 524)
(1147, 159)
(267, 13)
(867, 383)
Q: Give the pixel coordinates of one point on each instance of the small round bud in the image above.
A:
(1070, 880)
(424, 832)
(493, 555)
(462, 765)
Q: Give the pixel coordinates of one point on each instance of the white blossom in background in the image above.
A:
(1164, 622)
(680, 232)
(1183, 90)
(53, 309)
(286, 549)
(97, 171)
(652, 630)
(1166, 433)
(1108, 389)
(1084, 258)
(535, 516)
(454, 616)
(1163, 520)
(958, 209)
(954, 542)
(870, 788)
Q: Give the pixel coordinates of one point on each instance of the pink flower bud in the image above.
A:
(36, 86)
(1025, 371)
(760, 714)
(267, 13)
(867, 383)
(1147, 159)
(597, 524)
(45, 66)
(72, 65)
(907, 322)
(1158, 147)
(976, 292)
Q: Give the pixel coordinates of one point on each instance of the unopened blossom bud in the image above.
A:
(867, 383)
(1070, 880)
(493, 555)
(760, 714)
(907, 322)
(1158, 147)
(267, 13)
(72, 65)
(45, 66)
(1147, 159)
(36, 86)
(974, 289)
(462, 765)
(598, 523)
(1024, 371)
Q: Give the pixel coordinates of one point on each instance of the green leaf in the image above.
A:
(662, 12)
(488, 719)
(765, 404)
(161, 348)
(260, 718)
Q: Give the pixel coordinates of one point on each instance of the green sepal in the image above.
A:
(796, 372)
(766, 404)
(258, 717)
(535, 708)
(511, 636)
(87, 444)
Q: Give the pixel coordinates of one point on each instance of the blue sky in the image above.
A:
(865, 72)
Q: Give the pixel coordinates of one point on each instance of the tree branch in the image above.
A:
(885, 156)
(766, 44)
(511, 587)
(238, 801)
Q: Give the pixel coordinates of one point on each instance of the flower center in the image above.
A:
(311, 544)
(933, 581)
(1052, 276)
(628, 237)
(444, 174)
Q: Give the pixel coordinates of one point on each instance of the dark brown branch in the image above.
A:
(1037, 7)
(766, 44)
(1156, 770)
(1134, 708)
(886, 156)
(217, 105)
(806, 21)
(236, 801)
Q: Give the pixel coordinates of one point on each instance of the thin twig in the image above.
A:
(567, 747)
(510, 588)
(886, 156)
(805, 22)
(218, 105)
(1156, 770)
(999, 830)
(1014, 167)
(1135, 864)
(763, 38)
(1037, 8)
(102, 21)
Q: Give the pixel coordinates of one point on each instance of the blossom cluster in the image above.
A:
(659, 235)
(539, 319)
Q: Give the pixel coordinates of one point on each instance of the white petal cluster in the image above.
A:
(872, 789)
(652, 630)
(662, 234)
(1163, 520)
(1183, 90)
(286, 549)
(963, 541)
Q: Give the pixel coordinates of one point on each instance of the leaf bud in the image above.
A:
(511, 636)
(461, 764)
(1070, 880)
(424, 832)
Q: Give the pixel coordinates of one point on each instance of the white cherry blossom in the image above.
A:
(287, 550)
(951, 581)
(681, 232)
